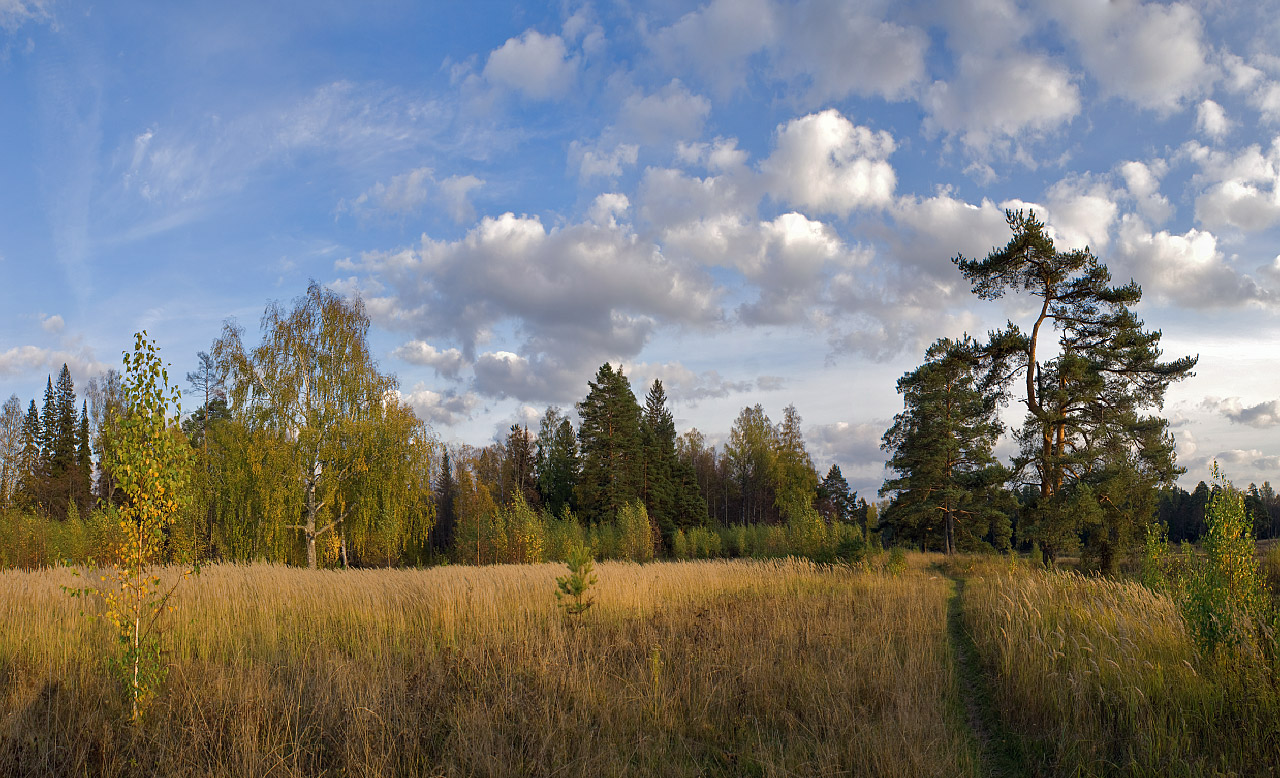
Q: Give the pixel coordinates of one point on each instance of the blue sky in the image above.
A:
(755, 201)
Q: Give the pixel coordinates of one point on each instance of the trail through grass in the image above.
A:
(1000, 752)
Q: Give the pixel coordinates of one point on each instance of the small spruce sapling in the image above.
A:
(572, 592)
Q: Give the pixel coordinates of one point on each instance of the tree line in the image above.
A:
(303, 452)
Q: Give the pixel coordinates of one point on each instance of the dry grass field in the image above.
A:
(696, 668)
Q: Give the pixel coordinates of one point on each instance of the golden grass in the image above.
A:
(1100, 677)
(724, 668)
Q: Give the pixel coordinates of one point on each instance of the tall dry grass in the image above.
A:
(1101, 678)
(703, 668)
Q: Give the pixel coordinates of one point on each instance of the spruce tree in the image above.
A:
(658, 433)
(609, 440)
(84, 461)
(446, 495)
(31, 461)
(518, 466)
(835, 502)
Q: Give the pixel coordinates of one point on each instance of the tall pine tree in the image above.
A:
(1093, 453)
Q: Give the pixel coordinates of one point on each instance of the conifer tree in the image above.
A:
(835, 501)
(446, 496)
(940, 446)
(557, 465)
(30, 461)
(82, 493)
(518, 466)
(610, 444)
(1086, 438)
(658, 434)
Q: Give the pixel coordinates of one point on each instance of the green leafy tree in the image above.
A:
(610, 446)
(1085, 422)
(941, 445)
(151, 462)
(313, 390)
(795, 482)
(749, 461)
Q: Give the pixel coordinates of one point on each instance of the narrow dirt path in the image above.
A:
(999, 751)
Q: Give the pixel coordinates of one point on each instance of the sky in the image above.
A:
(754, 201)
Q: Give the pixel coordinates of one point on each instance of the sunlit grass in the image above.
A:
(728, 668)
(1100, 677)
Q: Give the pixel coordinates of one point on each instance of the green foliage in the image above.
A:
(897, 563)
(941, 448)
(636, 533)
(151, 462)
(1224, 597)
(1085, 422)
(612, 455)
(573, 590)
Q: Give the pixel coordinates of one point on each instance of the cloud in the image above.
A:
(1211, 120)
(841, 50)
(594, 162)
(52, 324)
(825, 163)
(15, 13)
(408, 193)
(671, 112)
(717, 39)
(455, 192)
(1261, 415)
(684, 385)
(537, 65)
(821, 50)
(1237, 457)
(1187, 269)
(1148, 53)
(444, 409)
(1143, 182)
(853, 446)
(576, 295)
(997, 98)
(446, 363)
(1243, 189)
(1081, 212)
(33, 360)
(352, 124)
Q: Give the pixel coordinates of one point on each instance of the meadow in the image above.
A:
(900, 666)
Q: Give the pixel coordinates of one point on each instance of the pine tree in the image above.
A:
(1085, 429)
(610, 444)
(941, 448)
